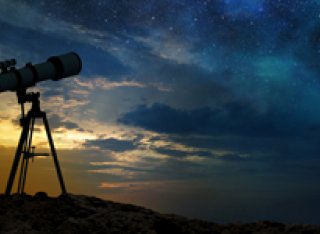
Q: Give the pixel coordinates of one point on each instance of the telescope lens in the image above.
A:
(66, 65)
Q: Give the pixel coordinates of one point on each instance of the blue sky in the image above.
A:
(203, 108)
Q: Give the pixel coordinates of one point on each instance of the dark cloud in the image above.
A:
(201, 153)
(182, 153)
(237, 118)
(171, 152)
(163, 118)
(57, 122)
(111, 144)
(207, 148)
(96, 61)
(232, 157)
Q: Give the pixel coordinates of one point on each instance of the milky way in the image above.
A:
(214, 104)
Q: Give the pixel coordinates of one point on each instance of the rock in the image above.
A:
(41, 196)
(70, 213)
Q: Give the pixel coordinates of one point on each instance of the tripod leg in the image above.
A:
(22, 141)
(27, 151)
(22, 170)
(25, 175)
(29, 141)
(25, 160)
(54, 154)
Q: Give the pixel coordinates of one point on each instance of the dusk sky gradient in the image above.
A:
(209, 109)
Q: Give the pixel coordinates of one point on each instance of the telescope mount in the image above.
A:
(25, 148)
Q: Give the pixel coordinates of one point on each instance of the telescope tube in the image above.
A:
(56, 68)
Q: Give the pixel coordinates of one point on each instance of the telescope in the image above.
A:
(55, 68)
(11, 79)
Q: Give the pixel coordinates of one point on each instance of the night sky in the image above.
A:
(209, 109)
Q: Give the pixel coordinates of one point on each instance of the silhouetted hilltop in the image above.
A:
(83, 214)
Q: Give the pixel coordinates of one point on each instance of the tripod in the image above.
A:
(25, 148)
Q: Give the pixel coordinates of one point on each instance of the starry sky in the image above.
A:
(205, 108)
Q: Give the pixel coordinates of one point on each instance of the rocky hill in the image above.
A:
(83, 214)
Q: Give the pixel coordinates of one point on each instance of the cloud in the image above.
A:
(57, 122)
(232, 157)
(92, 45)
(111, 144)
(182, 153)
(235, 118)
(162, 118)
(134, 185)
(117, 172)
(19, 19)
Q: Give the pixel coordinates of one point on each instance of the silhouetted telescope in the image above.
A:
(55, 68)
(18, 80)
